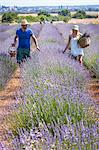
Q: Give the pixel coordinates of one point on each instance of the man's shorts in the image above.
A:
(22, 54)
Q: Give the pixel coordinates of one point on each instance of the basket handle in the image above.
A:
(9, 48)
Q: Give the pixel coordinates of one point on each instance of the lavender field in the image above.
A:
(55, 109)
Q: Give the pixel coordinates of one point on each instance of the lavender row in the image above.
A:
(7, 65)
(5, 27)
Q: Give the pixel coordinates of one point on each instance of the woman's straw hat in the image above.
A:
(75, 27)
(24, 22)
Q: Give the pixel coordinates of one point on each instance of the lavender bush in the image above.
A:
(3, 147)
(36, 29)
(7, 67)
(7, 31)
(5, 27)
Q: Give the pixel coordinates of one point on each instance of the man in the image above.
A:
(24, 35)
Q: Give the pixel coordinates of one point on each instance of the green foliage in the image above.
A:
(93, 64)
(51, 111)
(65, 12)
(66, 19)
(55, 18)
(45, 13)
(28, 18)
(80, 14)
(9, 17)
(91, 16)
(42, 18)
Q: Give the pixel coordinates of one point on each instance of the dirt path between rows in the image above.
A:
(94, 90)
(7, 100)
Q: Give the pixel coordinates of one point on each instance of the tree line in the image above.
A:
(63, 15)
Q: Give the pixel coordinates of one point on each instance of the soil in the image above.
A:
(94, 90)
(7, 101)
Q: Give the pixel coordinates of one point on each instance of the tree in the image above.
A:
(9, 17)
(80, 14)
(45, 13)
(65, 12)
(42, 18)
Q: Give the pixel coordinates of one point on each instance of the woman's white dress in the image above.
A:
(75, 49)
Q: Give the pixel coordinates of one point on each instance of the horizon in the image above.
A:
(47, 5)
(31, 3)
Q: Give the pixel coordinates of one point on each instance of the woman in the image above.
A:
(76, 51)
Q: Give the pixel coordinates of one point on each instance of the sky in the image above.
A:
(47, 2)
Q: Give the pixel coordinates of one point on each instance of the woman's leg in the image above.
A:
(81, 59)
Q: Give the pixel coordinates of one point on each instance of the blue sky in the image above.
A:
(47, 2)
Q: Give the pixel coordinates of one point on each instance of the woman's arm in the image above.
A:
(67, 44)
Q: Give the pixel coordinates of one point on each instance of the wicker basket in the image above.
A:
(12, 51)
(84, 42)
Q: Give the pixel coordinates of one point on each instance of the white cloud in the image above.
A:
(47, 2)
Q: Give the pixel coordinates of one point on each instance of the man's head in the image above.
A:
(75, 29)
(24, 24)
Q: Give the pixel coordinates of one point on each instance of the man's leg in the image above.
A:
(26, 53)
(19, 56)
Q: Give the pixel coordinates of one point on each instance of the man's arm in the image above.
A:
(67, 44)
(15, 41)
(36, 42)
